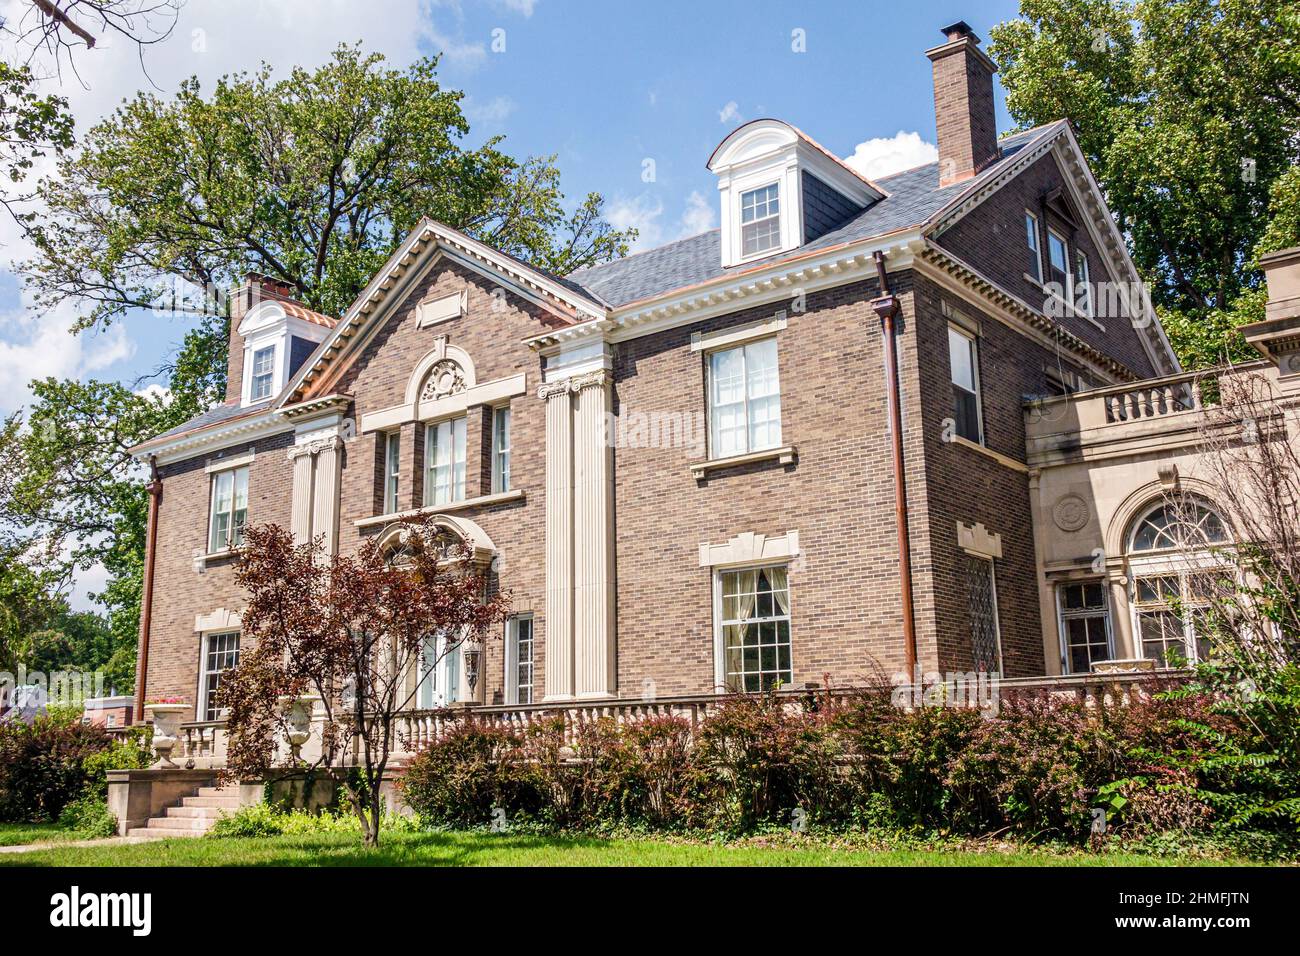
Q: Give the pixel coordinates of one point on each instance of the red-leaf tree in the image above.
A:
(350, 630)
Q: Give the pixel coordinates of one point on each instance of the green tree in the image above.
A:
(310, 179)
(1189, 113)
(31, 126)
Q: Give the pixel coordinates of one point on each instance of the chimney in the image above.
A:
(963, 105)
(255, 288)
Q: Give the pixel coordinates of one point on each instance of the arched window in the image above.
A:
(1173, 578)
(1180, 525)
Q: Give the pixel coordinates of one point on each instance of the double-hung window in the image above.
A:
(1082, 284)
(760, 220)
(220, 653)
(744, 399)
(439, 673)
(1058, 259)
(1035, 253)
(263, 374)
(229, 509)
(754, 617)
(444, 452)
(1085, 625)
(963, 358)
(519, 659)
(501, 449)
(392, 471)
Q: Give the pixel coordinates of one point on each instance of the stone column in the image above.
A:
(559, 540)
(301, 513)
(593, 488)
(325, 493)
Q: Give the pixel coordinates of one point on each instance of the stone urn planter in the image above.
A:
(297, 713)
(166, 720)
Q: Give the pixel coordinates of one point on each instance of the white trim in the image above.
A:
(436, 311)
(448, 406)
(737, 335)
(516, 494)
(719, 642)
(215, 465)
(220, 619)
(1104, 613)
(748, 548)
(786, 454)
(973, 341)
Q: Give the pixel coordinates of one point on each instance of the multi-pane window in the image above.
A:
(263, 375)
(1085, 624)
(501, 449)
(1174, 525)
(1058, 259)
(1082, 284)
(986, 640)
(963, 358)
(744, 399)
(392, 471)
(444, 452)
(229, 509)
(1035, 256)
(755, 619)
(220, 652)
(519, 660)
(760, 220)
(1168, 608)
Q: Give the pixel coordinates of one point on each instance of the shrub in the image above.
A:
(42, 767)
(89, 816)
(458, 780)
(263, 820)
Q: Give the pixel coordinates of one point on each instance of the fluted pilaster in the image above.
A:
(325, 495)
(301, 513)
(559, 541)
(593, 540)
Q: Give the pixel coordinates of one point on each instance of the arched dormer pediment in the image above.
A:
(462, 530)
(446, 370)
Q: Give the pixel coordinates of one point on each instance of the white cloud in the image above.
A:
(523, 7)
(491, 113)
(646, 214)
(154, 390)
(730, 113)
(883, 156)
(38, 345)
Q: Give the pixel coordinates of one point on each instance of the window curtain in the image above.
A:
(780, 581)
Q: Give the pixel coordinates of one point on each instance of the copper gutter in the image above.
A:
(886, 306)
(155, 488)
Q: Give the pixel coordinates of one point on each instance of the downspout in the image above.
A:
(886, 306)
(154, 488)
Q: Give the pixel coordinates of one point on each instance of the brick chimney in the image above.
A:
(963, 105)
(255, 288)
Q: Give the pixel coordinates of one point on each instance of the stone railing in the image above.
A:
(1156, 405)
(1152, 399)
(204, 742)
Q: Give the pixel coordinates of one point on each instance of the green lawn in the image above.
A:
(20, 834)
(489, 849)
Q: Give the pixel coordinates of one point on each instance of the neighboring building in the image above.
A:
(739, 526)
(108, 712)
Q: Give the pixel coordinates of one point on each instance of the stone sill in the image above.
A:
(990, 453)
(499, 497)
(213, 556)
(786, 454)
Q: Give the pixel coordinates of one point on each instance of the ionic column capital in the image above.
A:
(314, 447)
(571, 386)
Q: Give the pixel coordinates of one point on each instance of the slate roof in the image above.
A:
(913, 197)
(216, 415)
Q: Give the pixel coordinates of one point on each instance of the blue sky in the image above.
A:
(603, 85)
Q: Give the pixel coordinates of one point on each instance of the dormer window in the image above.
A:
(760, 218)
(263, 381)
(780, 190)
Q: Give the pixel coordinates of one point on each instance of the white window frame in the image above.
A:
(973, 341)
(719, 635)
(513, 686)
(742, 348)
(269, 376)
(205, 649)
(1065, 256)
(1035, 244)
(1064, 614)
(456, 492)
(213, 546)
(777, 217)
(446, 674)
(392, 471)
(501, 455)
(1082, 290)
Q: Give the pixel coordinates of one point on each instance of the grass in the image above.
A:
(21, 834)
(492, 849)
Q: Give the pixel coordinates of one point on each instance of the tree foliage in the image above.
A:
(310, 179)
(352, 630)
(1189, 114)
(32, 126)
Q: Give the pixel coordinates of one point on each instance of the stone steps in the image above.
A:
(192, 817)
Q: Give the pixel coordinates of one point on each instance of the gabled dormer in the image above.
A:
(780, 189)
(272, 337)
